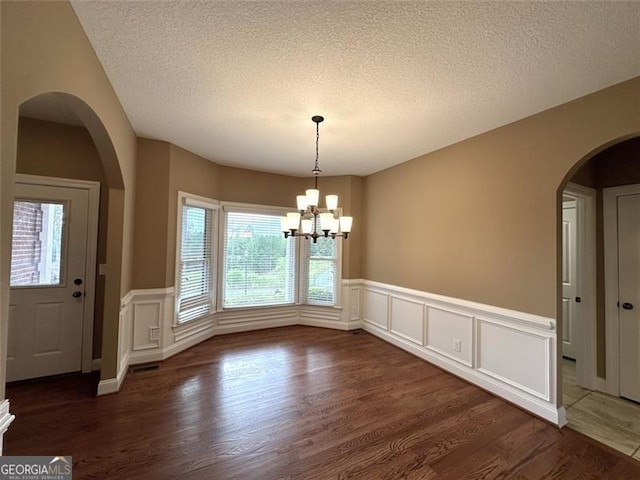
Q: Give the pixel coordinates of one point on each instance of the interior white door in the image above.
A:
(629, 294)
(47, 281)
(569, 278)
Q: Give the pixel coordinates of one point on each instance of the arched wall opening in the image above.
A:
(56, 107)
(610, 164)
(45, 49)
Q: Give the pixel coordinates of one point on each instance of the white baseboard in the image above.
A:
(5, 420)
(540, 408)
(562, 416)
(112, 385)
(509, 353)
(147, 332)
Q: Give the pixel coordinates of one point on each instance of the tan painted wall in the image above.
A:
(44, 49)
(152, 204)
(479, 220)
(164, 169)
(55, 150)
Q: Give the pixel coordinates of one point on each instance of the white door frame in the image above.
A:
(586, 329)
(611, 287)
(93, 189)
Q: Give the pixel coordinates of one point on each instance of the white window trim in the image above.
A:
(185, 198)
(257, 209)
(303, 250)
(220, 208)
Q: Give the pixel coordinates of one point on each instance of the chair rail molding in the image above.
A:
(148, 332)
(509, 353)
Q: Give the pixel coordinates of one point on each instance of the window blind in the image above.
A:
(319, 272)
(195, 276)
(259, 263)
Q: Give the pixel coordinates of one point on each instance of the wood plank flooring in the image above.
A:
(297, 403)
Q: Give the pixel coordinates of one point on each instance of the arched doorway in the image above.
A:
(590, 368)
(53, 123)
(56, 298)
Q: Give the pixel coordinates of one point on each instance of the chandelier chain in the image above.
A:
(316, 169)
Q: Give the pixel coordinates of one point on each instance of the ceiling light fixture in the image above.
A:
(304, 222)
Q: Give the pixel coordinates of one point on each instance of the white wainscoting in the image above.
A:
(406, 319)
(5, 420)
(511, 354)
(148, 334)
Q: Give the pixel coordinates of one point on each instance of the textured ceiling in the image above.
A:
(237, 82)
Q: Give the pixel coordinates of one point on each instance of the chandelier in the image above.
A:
(305, 222)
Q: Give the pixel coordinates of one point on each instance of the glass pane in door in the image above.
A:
(36, 249)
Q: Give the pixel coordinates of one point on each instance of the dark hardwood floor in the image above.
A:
(297, 403)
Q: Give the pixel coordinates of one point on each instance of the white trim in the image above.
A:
(147, 293)
(523, 318)
(611, 287)
(302, 259)
(186, 198)
(531, 387)
(458, 313)
(253, 208)
(111, 385)
(319, 316)
(537, 406)
(247, 208)
(154, 307)
(194, 327)
(93, 212)
(5, 420)
(586, 365)
(547, 392)
(189, 199)
(490, 356)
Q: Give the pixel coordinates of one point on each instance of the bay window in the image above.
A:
(258, 267)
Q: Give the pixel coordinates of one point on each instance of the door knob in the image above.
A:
(76, 294)
(77, 281)
(627, 306)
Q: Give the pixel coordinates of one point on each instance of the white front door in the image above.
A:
(629, 294)
(47, 283)
(569, 278)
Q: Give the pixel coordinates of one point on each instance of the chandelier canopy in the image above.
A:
(311, 221)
